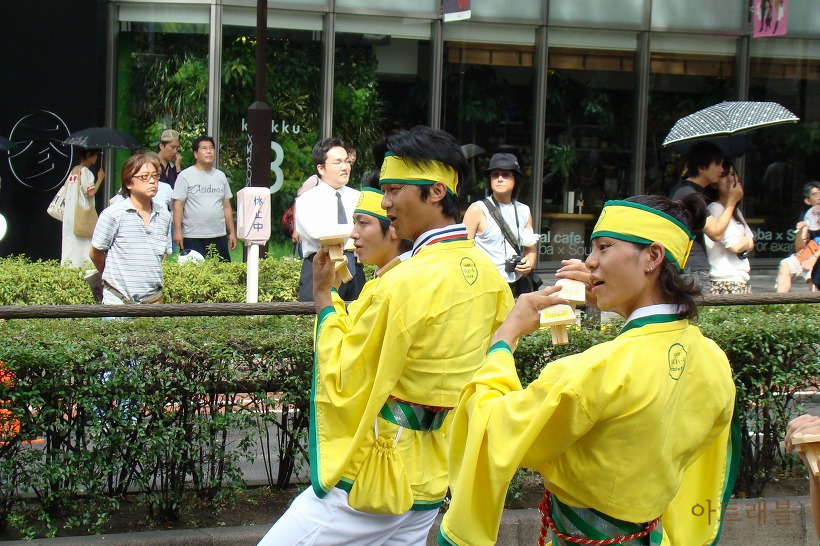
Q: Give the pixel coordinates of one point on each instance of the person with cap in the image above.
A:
(169, 158)
(325, 209)
(385, 381)
(632, 436)
(502, 226)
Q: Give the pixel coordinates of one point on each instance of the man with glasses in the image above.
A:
(202, 205)
(132, 237)
(326, 209)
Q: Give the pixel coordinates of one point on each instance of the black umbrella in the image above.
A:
(102, 137)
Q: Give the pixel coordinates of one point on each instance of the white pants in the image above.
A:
(331, 521)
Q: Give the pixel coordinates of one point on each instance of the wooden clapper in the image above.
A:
(810, 445)
(557, 317)
(334, 245)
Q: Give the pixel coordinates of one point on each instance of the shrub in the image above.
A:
(774, 356)
(146, 404)
(23, 282)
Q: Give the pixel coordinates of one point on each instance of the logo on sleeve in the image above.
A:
(677, 361)
(469, 270)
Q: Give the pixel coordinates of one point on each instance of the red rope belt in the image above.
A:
(547, 524)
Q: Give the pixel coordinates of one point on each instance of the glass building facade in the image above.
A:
(582, 91)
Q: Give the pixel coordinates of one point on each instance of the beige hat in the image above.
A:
(169, 135)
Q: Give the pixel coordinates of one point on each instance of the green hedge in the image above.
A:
(23, 282)
(146, 404)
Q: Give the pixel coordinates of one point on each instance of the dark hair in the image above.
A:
(379, 149)
(200, 140)
(420, 146)
(370, 179)
(88, 153)
(701, 155)
(712, 194)
(321, 148)
(132, 166)
(808, 186)
(691, 212)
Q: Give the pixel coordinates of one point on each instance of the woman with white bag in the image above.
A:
(80, 188)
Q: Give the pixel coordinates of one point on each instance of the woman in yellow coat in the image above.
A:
(631, 436)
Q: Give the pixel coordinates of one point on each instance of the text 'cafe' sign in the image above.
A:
(281, 127)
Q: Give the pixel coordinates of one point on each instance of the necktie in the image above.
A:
(341, 209)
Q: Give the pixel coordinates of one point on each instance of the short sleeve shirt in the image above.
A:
(134, 250)
(204, 194)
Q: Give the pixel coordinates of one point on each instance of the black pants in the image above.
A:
(521, 286)
(349, 291)
(201, 246)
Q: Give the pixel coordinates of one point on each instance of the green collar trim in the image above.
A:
(651, 319)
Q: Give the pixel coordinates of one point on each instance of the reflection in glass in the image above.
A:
(784, 157)
(590, 100)
(679, 85)
(487, 104)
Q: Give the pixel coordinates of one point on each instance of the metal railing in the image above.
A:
(304, 308)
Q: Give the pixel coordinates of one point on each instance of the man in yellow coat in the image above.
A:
(386, 376)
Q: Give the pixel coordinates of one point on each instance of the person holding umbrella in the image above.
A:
(704, 168)
(81, 187)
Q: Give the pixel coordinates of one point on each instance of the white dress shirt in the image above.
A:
(317, 214)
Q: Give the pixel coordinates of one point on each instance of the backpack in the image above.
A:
(288, 219)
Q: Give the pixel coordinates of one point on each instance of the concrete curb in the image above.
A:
(784, 521)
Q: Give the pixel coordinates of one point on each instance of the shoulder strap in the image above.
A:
(505, 229)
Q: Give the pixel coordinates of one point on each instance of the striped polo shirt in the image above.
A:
(134, 251)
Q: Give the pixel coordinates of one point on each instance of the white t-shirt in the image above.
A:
(204, 194)
(725, 265)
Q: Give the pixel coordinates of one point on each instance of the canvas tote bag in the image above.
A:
(56, 209)
(84, 218)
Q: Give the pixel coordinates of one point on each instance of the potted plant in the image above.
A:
(562, 159)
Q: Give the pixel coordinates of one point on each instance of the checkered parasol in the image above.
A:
(727, 118)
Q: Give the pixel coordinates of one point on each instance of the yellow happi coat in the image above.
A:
(617, 428)
(417, 333)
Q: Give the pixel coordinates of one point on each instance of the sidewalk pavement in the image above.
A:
(784, 521)
(781, 521)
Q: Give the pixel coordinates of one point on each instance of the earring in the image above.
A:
(650, 269)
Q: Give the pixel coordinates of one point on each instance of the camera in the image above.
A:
(511, 263)
(743, 255)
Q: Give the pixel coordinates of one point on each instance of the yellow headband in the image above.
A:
(370, 203)
(396, 171)
(638, 223)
